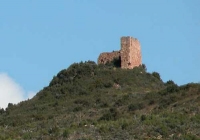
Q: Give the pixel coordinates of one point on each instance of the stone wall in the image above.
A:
(125, 52)
(108, 56)
(135, 53)
(130, 54)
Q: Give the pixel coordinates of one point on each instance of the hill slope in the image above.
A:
(89, 101)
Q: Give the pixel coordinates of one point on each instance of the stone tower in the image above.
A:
(130, 52)
(129, 55)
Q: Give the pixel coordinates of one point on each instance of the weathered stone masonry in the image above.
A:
(130, 54)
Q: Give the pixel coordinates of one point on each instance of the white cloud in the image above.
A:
(11, 92)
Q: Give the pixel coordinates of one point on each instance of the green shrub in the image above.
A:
(143, 118)
(66, 133)
(78, 108)
(82, 102)
(54, 130)
(133, 107)
(112, 114)
(190, 137)
(157, 75)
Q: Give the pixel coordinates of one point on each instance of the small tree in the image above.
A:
(157, 75)
(10, 105)
(169, 83)
(144, 67)
(1, 110)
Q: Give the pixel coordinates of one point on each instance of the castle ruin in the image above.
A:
(129, 55)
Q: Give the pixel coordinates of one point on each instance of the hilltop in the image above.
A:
(90, 101)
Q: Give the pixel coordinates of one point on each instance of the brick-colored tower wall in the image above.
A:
(108, 56)
(125, 52)
(130, 53)
(135, 53)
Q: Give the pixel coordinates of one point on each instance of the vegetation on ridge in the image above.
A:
(90, 101)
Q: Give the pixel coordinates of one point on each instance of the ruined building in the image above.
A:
(129, 55)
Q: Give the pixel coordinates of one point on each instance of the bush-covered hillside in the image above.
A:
(90, 101)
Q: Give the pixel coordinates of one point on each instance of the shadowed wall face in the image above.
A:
(130, 54)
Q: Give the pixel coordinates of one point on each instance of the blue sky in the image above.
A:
(38, 38)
